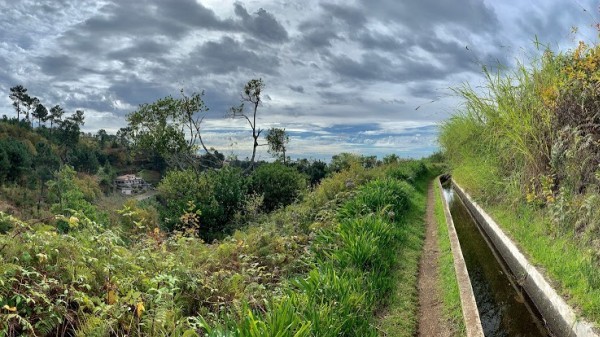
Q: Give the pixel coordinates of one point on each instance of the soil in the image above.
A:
(431, 318)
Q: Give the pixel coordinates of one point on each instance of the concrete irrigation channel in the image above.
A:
(510, 296)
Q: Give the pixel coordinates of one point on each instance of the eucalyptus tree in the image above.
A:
(277, 140)
(252, 95)
(170, 129)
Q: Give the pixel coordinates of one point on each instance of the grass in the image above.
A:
(527, 148)
(448, 283)
(325, 266)
(400, 317)
(573, 272)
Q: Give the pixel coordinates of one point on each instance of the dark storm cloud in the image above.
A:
(146, 48)
(62, 65)
(317, 37)
(361, 60)
(137, 91)
(229, 56)
(375, 67)
(338, 98)
(374, 40)
(145, 17)
(263, 25)
(351, 16)
(296, 88)
(473, 15)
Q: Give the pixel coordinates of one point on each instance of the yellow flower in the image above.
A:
(73, 221)
(11, 309)
(139, 309)
(111, 297)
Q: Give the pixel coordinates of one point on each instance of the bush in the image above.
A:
(389, 196)
(408, 170)
(215, 195)
(280, 185)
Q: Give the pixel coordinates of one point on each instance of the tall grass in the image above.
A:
(354, 271)
(528, 145)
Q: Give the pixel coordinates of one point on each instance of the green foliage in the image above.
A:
(83, 159)
(280, 185)
(343, 161)
(217, 195)
(67, 198)
(316, 170)
(385, 197)
(295, 272)
(409, 170)
(19, 158)
(277, 139)
(529, 143)
(159, 128)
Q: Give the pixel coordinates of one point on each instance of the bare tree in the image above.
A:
(251, 94)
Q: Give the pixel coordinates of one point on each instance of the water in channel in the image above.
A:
(502, 308)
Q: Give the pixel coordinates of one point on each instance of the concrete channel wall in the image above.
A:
(467, 299)
(558, 315)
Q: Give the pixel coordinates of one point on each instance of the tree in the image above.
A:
(102, 137)
(56, 113)
(169, 129)
(251, 94)
(18, 95)
(316, 170)
(4, 164)
(277, 139)
(214, 198)
(30, 104)
(18, 156)
(68, 133)
(78, 117)
(280, 185)
(41, 113)
(66, 196)
(125, 136)
(46, 162)
(391, 159)
(343, 161)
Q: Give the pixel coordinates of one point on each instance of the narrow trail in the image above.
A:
(431, 319)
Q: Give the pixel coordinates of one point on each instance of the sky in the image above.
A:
(372, 77)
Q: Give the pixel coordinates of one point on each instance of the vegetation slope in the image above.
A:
(527, 146)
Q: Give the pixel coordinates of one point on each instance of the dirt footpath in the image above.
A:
(431, 319)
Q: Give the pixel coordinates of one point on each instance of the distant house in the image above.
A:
(131, 184)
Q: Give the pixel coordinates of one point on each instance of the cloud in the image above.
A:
(367, 63)
(229, 56)
(263, 25)
(296, 88)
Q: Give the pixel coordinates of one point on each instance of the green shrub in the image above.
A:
(215, 195)
(409, 170)
(280, 185)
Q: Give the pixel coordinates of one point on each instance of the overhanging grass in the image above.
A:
(400, 317)
(448, 283)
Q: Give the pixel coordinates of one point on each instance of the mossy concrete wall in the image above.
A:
(560, 318)
(467, 298)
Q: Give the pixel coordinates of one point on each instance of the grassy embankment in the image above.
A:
(321, 267)
(527, 147)
(448, 283)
